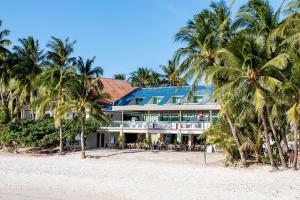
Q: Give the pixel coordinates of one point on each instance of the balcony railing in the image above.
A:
(161, 125)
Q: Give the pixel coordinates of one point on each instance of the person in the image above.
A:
(291, 157)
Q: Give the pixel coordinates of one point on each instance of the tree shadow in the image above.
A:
(113, 154)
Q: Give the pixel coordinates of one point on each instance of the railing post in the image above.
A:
(122, 127)
(179, 139)
(147, 132)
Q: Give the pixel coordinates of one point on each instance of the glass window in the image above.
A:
(197, 99)
(189, 117)
(176, 100)
(156, 100)
(138, 101)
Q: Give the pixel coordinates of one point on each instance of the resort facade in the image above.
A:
(162, 114)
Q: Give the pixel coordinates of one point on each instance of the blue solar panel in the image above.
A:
(165, 93)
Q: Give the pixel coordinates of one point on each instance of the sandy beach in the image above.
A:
(131, 175)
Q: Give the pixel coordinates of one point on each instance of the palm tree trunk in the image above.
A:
(82, 140)
(285, 147)
(61, 147)
(275, 135)
(237, 141)
(295, 130)
(257, 155)
(11, 104)
(1, 94)
(267, 138)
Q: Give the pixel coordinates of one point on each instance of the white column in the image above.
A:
(179, 126)
(122, 131)
(190, 141)
(122, 122)
(147, 133)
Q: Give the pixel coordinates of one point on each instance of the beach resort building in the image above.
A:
(168, 114)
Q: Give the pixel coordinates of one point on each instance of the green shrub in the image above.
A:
(4, 114)
(41, 133)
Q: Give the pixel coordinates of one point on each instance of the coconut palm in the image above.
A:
(291, 93)
(54, 80)
(5, 68)
(120, 76)
(232, 110)
(168, 71)
(155, 79)
(255, 75)
(140, 77)
(253, 140)
(83, 96)
(257, 17)
(209, 30)
(87, 69)
(292, 7)
(30, 59)
(60, 52)
(4, 43)
(219, 135)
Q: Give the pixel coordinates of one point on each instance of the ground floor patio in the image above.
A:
(159, 141)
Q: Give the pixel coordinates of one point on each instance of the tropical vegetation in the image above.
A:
(252, 60)
(36, 83)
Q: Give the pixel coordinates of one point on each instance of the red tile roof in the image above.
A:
(116, 88)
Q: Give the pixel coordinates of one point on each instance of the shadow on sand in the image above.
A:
(114, 154)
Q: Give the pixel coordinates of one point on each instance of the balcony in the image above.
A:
(161, 125)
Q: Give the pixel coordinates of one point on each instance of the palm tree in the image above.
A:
(54, 80)
(30, 59)
(86, 68)
(219, 135)
(253, 140)
(140, 78)
(3, 54)
(209, 30)
(4, 42)
(231, 109)
(257, 17)
(292, 7)
(120, 76)
(168, 71)
(83, 96)
(155, 79)
(291, 93)
(255, 75)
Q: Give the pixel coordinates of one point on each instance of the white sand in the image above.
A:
(112, 175)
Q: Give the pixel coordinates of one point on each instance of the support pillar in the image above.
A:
(109, 135)
(190, 141)
(122, 137)
(148, 138)
(179, 127)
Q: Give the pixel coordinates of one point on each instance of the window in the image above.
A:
(156, 100)
(170, 117)
(138, 101)
(176, 100)
(189, 117)
(197, 99)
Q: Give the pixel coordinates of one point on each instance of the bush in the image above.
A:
(4, 114)
(29, 133)
(41, 133)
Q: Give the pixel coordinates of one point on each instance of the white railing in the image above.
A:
(161, 125)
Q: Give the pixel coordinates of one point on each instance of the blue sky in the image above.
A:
(122, 34)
